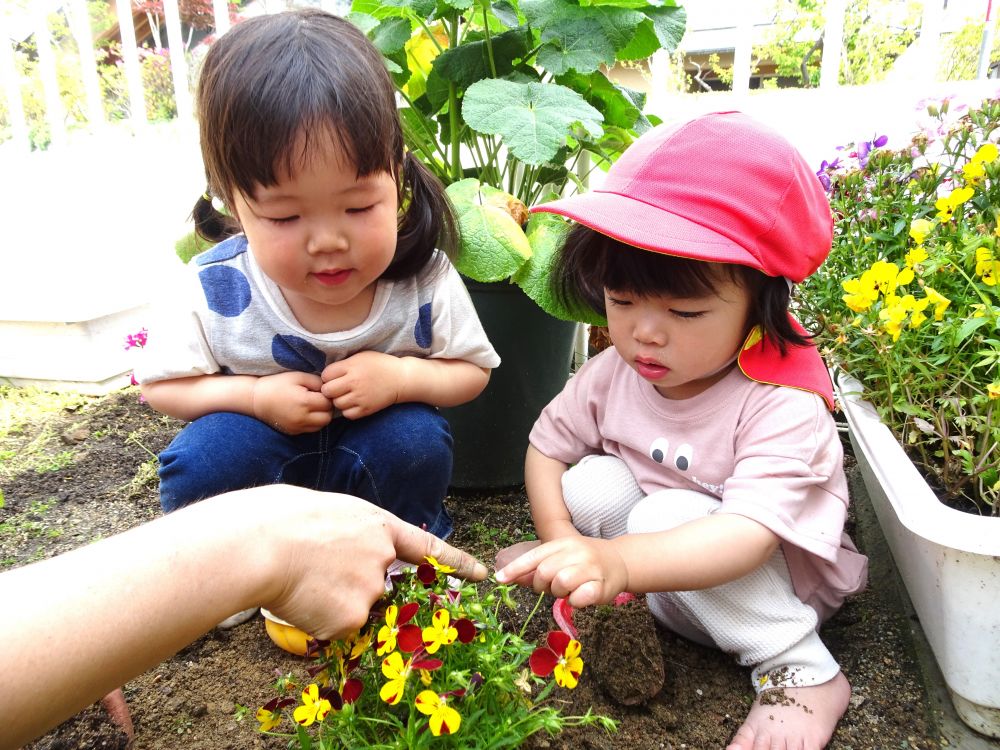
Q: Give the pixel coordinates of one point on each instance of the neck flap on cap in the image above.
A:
(801, 367)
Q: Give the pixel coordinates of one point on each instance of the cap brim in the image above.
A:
(648, 227)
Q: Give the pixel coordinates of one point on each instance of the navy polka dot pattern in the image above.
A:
(422, 330)
(227, 290)
(295, 353)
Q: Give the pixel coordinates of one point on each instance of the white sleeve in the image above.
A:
(177, 346)
(457, 330)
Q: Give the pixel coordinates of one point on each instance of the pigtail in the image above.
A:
(427, 221)
(771, 312)
(209, 222)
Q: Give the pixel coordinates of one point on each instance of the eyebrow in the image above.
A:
(362, 185)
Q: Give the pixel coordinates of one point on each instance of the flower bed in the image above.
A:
(907, 303)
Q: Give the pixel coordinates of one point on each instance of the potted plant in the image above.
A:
(510, 104)
(908, 307)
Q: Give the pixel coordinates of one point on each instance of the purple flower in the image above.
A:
(865, 148)
(136, 340)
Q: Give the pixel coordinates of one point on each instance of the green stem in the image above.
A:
(456, 143)
(489, 41)
(538, 603)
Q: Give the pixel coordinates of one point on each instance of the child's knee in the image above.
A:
(599, 492)
(668, 509)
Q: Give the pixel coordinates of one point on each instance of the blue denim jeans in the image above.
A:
(398, 458)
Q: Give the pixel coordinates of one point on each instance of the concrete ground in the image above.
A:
(950, 727)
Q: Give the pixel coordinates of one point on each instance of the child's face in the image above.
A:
(323, 236)
(680, 345)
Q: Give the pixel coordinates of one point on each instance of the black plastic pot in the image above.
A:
(491, 432)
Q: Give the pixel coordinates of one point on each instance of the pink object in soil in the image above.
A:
(562, 612)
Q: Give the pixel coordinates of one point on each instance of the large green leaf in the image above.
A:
(620, 106)
(669, 25)
(575, 44)
(390, 35)
(546, 233)
(534, 119)
(470, 62)
(493, 245)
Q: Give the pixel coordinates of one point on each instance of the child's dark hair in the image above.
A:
(308, 74)
(591, 262)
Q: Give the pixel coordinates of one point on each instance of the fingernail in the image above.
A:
(501, 576)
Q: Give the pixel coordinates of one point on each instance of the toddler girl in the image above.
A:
(696, 461)
(314, 346)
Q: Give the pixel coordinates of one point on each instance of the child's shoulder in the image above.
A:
(226, 250)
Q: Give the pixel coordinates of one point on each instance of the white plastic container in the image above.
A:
(948, 560)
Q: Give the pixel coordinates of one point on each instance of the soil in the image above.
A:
(91, 474)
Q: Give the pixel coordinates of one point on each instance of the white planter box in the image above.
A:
(949, 561)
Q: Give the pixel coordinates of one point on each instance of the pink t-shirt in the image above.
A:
(767, 452)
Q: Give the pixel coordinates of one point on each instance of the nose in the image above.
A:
(326, 237)
(648, 329)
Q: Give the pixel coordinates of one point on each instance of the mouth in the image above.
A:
(332, 277)
(650, 368)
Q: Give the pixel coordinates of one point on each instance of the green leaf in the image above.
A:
(534, 119)
(968, 327)
(363, 21)
(459, 4)
(470, 62)
(643, 43)
(546, 233)
(390, 35)
(669, 25)
(507, 14)
(575, 43)
(619, 107)
(493, 245)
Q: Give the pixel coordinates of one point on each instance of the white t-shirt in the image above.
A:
(227, 316)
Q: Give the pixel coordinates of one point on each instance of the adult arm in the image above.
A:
(86, 621)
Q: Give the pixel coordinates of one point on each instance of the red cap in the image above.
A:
(721, 188)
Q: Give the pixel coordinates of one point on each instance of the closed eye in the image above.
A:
(619, 302)
(688, 314)
(282, 219)
(360, 210)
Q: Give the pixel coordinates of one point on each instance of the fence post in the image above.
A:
(178, 62)
(833, 40)
(80, 23)
(220, 9)
(130, 57)
(54, 112)
(986, 47)
(12, 90)
(743, 51)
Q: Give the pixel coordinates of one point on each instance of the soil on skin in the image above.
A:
(664, 691)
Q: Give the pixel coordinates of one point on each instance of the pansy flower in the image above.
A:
(444, 719)
(395, 618)
(269, 715)
(919, 229)
(560, 655)
(440, 633)
(314, 707)
(397, 672)
(947, 205)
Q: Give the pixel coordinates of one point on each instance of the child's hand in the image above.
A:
(364, 383)
(291, 402)
(584, 570)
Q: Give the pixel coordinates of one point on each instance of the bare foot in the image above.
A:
(801, 718)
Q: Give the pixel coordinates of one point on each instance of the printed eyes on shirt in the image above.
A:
(660, 448)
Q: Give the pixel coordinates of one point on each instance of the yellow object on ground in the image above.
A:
(285, 635)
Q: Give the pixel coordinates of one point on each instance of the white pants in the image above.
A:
(757, 618)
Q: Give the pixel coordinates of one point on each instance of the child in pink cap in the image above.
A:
(696, 461)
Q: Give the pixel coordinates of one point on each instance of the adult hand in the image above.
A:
(335, 550)
(364, 383)
(583, 570)
(291, 402)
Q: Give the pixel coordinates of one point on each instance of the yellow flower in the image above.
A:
(987, 152)
(939, 301)
(567, 671)
(439, 567)
(858, 298)
(440, 633)
(892, 318)
(993, 389)
(919, 229)
(444, 719)
(268, 719)
(946, 206)
(987, 267)
(916, 256)
(396, 671)
(313, 707)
